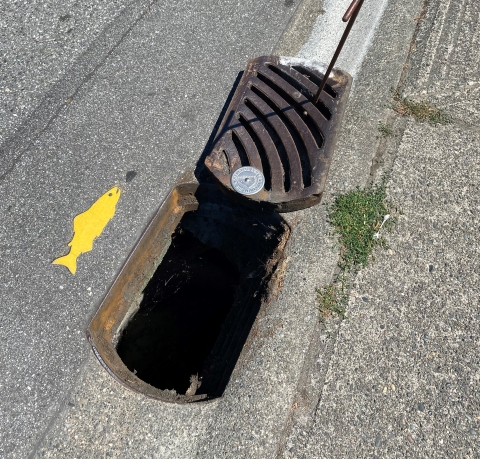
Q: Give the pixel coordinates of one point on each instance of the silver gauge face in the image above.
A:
(247, 180)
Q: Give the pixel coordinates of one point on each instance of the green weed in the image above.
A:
(385, 130)
(332, 300)
(356, 218)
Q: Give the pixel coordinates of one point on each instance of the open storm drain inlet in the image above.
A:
(176, 319)
(184, 305)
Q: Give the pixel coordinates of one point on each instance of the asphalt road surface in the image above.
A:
(88, 92)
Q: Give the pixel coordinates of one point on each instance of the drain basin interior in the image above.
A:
(181, 314)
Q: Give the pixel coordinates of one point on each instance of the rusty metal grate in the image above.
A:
(274, 125)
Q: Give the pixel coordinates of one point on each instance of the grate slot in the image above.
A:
(242, 153)
(230, 150)
(270, 149)
(282, 154)
(300, 87)
(249, 146)
(315, 79)
(288, 153)
(312, 126)
(267, 172)
(299, 143)
(224, 163)
(291, 113)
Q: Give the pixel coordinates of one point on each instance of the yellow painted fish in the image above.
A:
(89, 225)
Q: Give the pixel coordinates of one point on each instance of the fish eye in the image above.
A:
(109, 194)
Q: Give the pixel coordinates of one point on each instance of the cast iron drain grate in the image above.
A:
(274, 125)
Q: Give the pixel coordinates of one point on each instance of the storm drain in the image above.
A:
(176, 319)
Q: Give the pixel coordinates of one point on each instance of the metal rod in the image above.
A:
(350, 16)
(353, 6)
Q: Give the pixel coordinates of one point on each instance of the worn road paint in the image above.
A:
(89, 225)
(329, 28)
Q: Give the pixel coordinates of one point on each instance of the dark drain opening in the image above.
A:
(181, 314)
(175, 321)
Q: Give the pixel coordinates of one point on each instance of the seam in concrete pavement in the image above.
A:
(378, 161)
(60, 409)
(65, 90)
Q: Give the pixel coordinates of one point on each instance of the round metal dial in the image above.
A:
(247, 180)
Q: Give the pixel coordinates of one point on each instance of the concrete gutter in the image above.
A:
(315, 31)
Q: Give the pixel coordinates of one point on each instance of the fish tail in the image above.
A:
(70, 261)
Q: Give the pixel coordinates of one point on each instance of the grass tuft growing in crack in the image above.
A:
(421, 111)
(332, 300)
(385, 130)
(357, 218)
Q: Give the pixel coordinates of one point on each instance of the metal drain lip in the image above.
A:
(273, 124)
(102, 332)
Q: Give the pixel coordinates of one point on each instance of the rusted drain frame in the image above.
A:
(273, 124)
(120, 302)
(124, 296)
